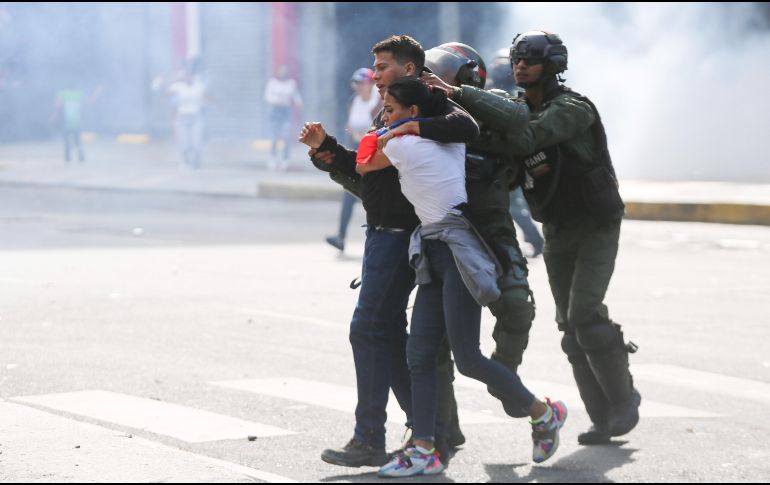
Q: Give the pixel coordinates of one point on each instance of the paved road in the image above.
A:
(144, 337)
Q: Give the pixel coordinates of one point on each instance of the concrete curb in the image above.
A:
(715, 212)
(699, 212)
(299, 191)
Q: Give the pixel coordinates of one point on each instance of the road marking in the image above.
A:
(30, 433)
(570, 395)
(184, 423)
(297, 318)
(245, 470)
(703, 381)
(332, 396)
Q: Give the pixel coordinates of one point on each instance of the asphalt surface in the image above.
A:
(172, 298)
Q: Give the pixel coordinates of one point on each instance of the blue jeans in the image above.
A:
(446, 307)
(378, 332)
(348, 201)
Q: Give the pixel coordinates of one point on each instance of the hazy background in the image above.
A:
(679, 85)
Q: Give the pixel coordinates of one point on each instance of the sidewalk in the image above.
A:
(238, 168)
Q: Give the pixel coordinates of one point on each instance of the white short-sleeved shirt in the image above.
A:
(282, 92)
(361, 112)
(189, 97)
(432, 174)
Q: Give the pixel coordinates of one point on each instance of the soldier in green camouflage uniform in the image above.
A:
(571, 187)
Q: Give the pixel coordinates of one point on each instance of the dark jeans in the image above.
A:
(348, 201)
(446, 307)
(378, 332)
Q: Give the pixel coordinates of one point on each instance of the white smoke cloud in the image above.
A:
(679, 86)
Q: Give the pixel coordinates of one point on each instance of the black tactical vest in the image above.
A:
(559, 190)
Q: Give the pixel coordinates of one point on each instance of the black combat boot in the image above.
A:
(355, 454)
(596, 403)
(613, 375)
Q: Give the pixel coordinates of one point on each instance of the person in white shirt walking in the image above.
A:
(189, 96)
(281, 94)
(364, 106)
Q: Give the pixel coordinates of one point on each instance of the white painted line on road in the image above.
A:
(703, 381)
(298, 318)
(36, 438)
(570, 395)
(184, 423)
(332, 396)
(234, 467)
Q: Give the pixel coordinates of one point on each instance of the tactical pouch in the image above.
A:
(600, 194)
(479, 168)
(542, 171)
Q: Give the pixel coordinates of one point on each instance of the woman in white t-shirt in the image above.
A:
(432, 177)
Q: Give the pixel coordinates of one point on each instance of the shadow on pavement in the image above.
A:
(589, 464)
(370, 477)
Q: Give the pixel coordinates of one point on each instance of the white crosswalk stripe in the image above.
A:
(332, 396)
(196, 426)
(703, 381)
(181, 422)
(36, 438)
(569, 394)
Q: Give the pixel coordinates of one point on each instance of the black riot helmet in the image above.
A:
(500, 74)
(537, 45)
(457, 64)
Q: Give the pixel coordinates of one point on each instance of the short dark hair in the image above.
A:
(404, 49)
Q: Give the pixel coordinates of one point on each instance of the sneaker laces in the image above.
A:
(404, 459)
(404, 439)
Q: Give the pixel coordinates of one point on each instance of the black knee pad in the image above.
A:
(599, 336)
(513, 314)
(570, 346)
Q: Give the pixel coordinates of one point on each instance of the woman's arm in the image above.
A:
(377, 162)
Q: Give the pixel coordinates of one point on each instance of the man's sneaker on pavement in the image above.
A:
(355, 454)
(545, 434)
(412, 462)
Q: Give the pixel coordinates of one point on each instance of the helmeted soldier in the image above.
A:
(500, 73)
(490, 174)
(571, 187)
